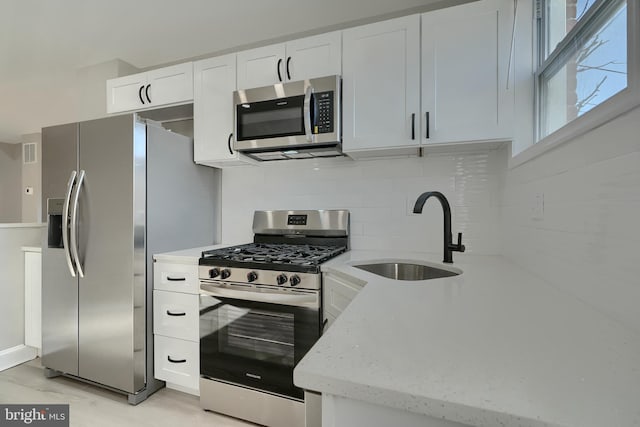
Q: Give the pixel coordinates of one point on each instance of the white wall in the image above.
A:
(32, 177)
(379, 194)
(10, 177)
(587, 241)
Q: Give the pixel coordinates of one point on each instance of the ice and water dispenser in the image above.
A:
(54, 214)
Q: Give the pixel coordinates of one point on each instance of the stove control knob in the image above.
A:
(252, 276)
(225, 273)
(214, 272)
(281, 279)
(294, 280)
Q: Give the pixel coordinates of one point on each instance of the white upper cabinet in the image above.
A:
(214, 83)
(465, 65)
(301, 59)
(381, 85)
(164, 86)
(316, 56)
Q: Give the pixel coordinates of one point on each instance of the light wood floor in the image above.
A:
(92, 406)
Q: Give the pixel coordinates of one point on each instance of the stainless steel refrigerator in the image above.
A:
(116, 191)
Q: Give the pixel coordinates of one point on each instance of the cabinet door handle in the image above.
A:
(140, 93)
(413, 126)
(288, 72)
(176, 360)
(279, 63)
(176, 279)
(176, 314)
(146, 92)
(229, 143)
(426, 117)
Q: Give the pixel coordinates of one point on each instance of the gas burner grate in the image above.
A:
(276, 253)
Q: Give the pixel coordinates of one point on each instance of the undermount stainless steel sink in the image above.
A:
(405, 271)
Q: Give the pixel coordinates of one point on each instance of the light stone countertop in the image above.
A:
(187, 256)
(22, 225)
(494, 346)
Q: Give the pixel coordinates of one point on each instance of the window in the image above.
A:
(582, 56)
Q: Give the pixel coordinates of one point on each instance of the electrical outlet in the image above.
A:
(537, 206)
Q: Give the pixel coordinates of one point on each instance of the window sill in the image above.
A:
(615, 106)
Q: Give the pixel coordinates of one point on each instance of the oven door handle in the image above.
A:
(308, 300)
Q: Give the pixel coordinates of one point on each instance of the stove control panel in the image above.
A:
(261, 277)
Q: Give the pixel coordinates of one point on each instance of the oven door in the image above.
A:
(254, 336)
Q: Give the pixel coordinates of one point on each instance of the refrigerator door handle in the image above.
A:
(65, 223)
(74, 224)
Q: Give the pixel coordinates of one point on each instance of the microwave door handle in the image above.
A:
(74, 224)
(65, 223)
(307, 113)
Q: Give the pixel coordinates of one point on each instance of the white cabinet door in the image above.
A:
(164, 86)
(337, 294)
(171, 85)
(126, 93)
(263, 66)
(381, 85)
(465, 54)
(214, 82)
(306, 58)
(316, 56)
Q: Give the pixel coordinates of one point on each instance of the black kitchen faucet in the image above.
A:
(449, 246)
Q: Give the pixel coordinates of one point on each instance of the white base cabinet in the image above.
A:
(337, 294)
(176, 325)
(32, 299)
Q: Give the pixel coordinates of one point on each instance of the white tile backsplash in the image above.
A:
(380, 195)
(587, 240)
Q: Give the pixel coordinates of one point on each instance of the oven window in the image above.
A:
(269, 119)
(257, 334)
(255, 344)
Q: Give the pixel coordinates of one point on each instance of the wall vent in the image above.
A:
(29, 153)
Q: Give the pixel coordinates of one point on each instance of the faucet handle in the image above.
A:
(458, 247)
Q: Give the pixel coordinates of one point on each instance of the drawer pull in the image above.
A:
(176, 279)
(171, 313)
(176, 360)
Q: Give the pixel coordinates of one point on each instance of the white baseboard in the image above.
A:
(16, 355)
(183, 389)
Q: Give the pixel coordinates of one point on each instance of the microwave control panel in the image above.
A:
(323, 120)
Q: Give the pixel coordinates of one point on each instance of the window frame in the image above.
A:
(620, 103)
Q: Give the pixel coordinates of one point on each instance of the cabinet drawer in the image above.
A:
(177, 361)
(176, 277)
(176, 315)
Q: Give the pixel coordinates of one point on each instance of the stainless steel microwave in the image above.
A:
(289, 120)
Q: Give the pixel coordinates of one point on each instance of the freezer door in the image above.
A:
(59, 288)
(111, 224)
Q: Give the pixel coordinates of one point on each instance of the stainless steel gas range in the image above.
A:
(261, 311)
